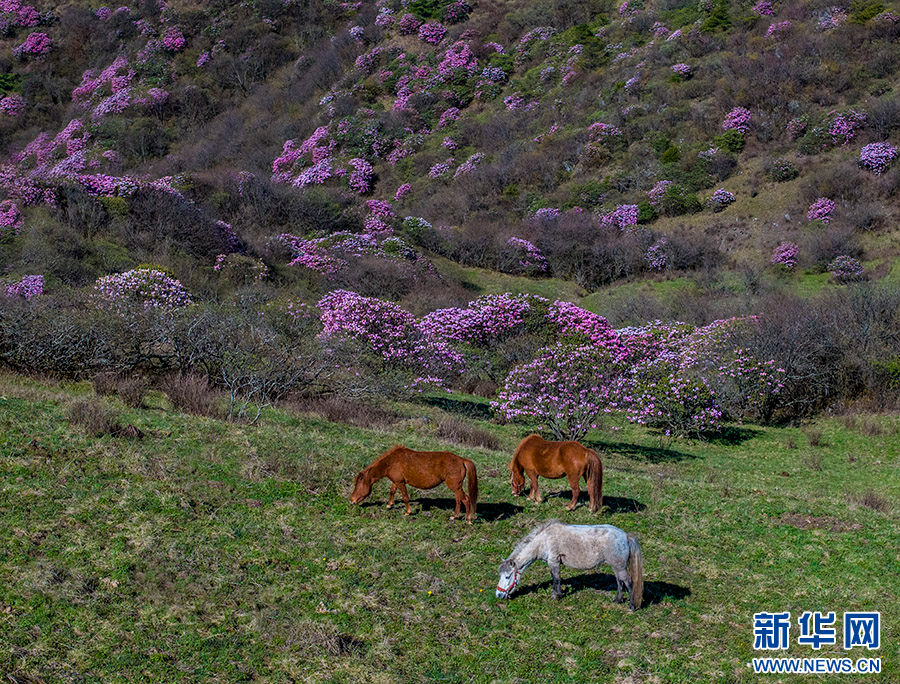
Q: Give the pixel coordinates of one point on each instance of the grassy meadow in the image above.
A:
(216, 552)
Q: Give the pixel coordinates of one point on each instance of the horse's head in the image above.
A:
(517, 480)
(362, 487)
(509, 579)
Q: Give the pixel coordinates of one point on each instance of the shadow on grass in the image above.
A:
(463, 407)
(487, 510)
(650, 454)
(731, 435)
(654, 592)
(611, 504)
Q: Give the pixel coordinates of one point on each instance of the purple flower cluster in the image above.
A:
(682, 69)
(778, 28)
(831, 17)
(441, 169)
(12, 105)
(362, 176)
(763, 8)
(469, 165)
(720, 199)
(843, 126)
(656, 256)
(820, 210)
(35, 45)
(11, 221)
(533, 259)
(622, 217)
(173, 40)
(796, 127)
(409, 24)
(573, 323)
(845, 269)
(144, 288)
(432, 32)
(603, 130)
(546, 214)
(656, 193)
(29, 286)
(877, 156)
(785, 254)
(738, 119)
(565, 388)
(402, 191)
(484, 321)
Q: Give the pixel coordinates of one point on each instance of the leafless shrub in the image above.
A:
(132, 390)
(105, 384)
(343, 410)
(458, 430)
(191, 394)
(872, 500)
(814, 436)
(94, 417)
(814, 461)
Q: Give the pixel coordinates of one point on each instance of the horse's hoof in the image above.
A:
(557, 597)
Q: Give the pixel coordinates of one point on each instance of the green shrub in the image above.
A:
(646, 212)
(719, 18)
(862, 10)
(782, 170)
(115, 206)
(670, 156)
(814, 140)
(677, 201)
(732, 141)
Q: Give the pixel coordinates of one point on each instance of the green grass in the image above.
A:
(210, 551)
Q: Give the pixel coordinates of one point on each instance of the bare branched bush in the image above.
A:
(343, 410)
(460, 431)
(132, 390)
(191, 394)
(94, 417)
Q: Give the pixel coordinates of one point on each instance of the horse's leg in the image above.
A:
(618, 598)
(535, 494)
(405, 495)
(390, 502)
(458, 493)
(575, 484)
(622, 577)
(557, 579)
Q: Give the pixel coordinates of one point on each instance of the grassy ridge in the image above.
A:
(216, 552)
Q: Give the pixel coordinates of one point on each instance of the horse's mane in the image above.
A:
(528, 538)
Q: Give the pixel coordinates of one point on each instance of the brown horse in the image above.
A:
(538, 457)
(422, 470)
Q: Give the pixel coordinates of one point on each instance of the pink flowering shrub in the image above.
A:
(656, 193)
(682, 69)
(843, 126)
(441, 169)
(659, 394)
(409, 24)
(657, 257)
(738, 119)
(402, 191)
(362, 176)
(778, 29)
(622, 217)
(820, 210)
(763, 8)
(12, 105)
(29, 286)
(580, 326)
(141, 288)
(846, 269)
(173, 40)
(877, 156)
(830, 18)
(796, 127)
(532, 259)
(720, 199)
(785, 255)
(432, 32)
(11, 221)
(565, 389)
(390, 334)
(469, 165)
(35, 45)
(487, 320)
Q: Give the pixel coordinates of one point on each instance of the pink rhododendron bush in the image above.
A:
(564, 390)
(141, 288)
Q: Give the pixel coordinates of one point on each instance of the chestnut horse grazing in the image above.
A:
(538, 457)
(422, 470)
(577, 546)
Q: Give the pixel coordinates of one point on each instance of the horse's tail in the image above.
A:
(594, 476)
(472, 474)
(636, 570)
